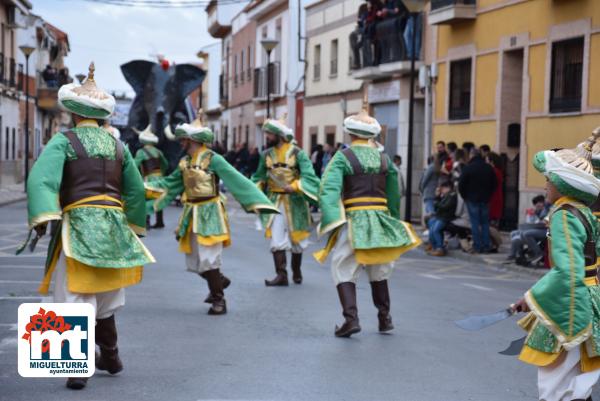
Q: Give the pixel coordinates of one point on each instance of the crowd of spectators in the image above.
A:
(56, 78)
(462, 190)
(241, 157)
(384, 33)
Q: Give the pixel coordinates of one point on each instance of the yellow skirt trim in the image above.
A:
(374, 207)
(321, 256)
(588, 364)
(85, 279)
(298, 236)
(537, 358)
(184, 242)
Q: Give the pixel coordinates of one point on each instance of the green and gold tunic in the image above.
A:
(205, 216)
(376, 233)
(288, 165)
(150, 152)
(565, 303)
(100, 243)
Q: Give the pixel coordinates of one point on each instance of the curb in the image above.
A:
(5, 202)
(493, 263)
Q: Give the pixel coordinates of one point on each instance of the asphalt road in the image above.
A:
(278, 343)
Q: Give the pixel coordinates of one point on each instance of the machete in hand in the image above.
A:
(515, 347)
(478, 322)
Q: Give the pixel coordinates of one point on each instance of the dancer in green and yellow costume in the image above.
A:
(87, 181)
(152, 164)
(359, 199)
(563, 325)
(286, 174)
(203, 228)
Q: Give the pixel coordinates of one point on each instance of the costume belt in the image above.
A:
(365, 203)
(201, 201)
(154, 173)
(99, 201)
(591, 275)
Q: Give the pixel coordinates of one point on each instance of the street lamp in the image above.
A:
(80, 78)
(269, 45)
(27, 50)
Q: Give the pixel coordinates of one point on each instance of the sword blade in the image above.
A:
(478, 322)
(515, 347)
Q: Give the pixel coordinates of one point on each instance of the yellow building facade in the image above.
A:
(518, 75)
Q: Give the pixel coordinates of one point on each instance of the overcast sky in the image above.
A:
(113, 35)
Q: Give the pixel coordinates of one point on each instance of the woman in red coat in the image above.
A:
(497, 200)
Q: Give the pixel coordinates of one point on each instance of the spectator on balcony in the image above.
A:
(358, 37)
(50, 77)
(371, 53)
(63, 77)
(413, 28)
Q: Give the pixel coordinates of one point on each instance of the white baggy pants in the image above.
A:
(345, 268)
(105, 303)
(281, 234)
(563, 380)
(203, 258)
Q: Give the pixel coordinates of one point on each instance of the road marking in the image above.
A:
(477, 287)
(19, 281)
(449, 269)
(430, 276)
(19, 298)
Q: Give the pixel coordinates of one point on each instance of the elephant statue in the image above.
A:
(161, 90)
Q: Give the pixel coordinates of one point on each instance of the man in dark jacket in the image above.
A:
(476, 185)
(445, 208)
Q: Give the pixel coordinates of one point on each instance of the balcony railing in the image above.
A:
(437, 4)
(249, 74)
(260, 81)
(2, 69)
(223, 90)
(450, 11)
(12, 79)
(384, 47)
(333, 67)
(20, 78)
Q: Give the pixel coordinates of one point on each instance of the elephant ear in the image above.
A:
(188, 77)
(136, 73)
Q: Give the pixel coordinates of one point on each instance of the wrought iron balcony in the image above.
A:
(260, 81)
(384, 48)
(451, 11)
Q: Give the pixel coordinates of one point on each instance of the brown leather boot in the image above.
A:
(215, 285)
(347, 294)
(226, 282)
(106, 338)
(76, 383)
(280, 268)
(296, 271)
(381, 299)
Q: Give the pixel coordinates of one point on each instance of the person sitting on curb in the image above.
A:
(445, 206)
(531, 233)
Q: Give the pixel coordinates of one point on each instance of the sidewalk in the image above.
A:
(12, 193)
(495, 260)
